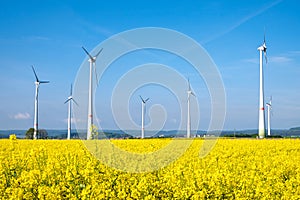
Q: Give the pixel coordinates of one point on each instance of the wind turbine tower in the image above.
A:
(36, 101)
(143, 116)
(261, 123)
(92, 61)
(70, 99)
(269, 105)
(188, 127)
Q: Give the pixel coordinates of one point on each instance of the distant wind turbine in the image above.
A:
(143, 116)
(70, 99)
(261, 126)
(269, 105)
(92, 62)
(188, 127)
(36, 101)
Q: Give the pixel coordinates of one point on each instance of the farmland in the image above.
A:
(234, 169)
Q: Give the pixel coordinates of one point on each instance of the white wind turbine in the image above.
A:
(143, 116)
(261, 126)
(269, 105)
(70, 99)
(92, 62)
(188, 127)
(36, 101)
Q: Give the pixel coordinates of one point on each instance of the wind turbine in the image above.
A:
(269, 105)
(261, 123)
(188, 127)
(143, 116)
(70, 99)
(36, 101)
(92, 61)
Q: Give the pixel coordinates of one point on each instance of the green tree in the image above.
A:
(29, 133)
(42, 134)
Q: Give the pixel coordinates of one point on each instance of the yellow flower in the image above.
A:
(234, 169)
(12, 137)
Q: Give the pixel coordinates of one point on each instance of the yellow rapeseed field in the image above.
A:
(234, 169)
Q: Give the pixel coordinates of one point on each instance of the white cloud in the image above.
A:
(36, 38)
(21, 116)
(279, 59)
(251, 60)
(271, 59)
(294, 53)
(73, 120)
(174, 121)
(243, 20)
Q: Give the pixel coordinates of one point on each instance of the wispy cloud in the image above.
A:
(242, 21)
(34, 38)
(173, 121)
(95, 27)
(77, 120)
(294, 53)
(251, 60)
(39, 38)
(21, 116)
(280, 59)
(73, 120)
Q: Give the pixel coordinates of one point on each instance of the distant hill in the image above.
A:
(6, 133)
(295, 129)
(61, 134)
(294, 132)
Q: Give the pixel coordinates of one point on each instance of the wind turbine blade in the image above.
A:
(91, 57)
(67, 101)
(45, 81)
(189, 87)
(147, 100)
(98, 53)
(75, 102)
(142, 99)
(71, 90)
(265, 46)
(36, 78)
(265, 54)
(95, 71)
(264, 35)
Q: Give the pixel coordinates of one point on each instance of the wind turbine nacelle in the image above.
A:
(92, 60)
(265, 47)
(261, 48)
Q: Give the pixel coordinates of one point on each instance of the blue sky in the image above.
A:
(49, 35)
